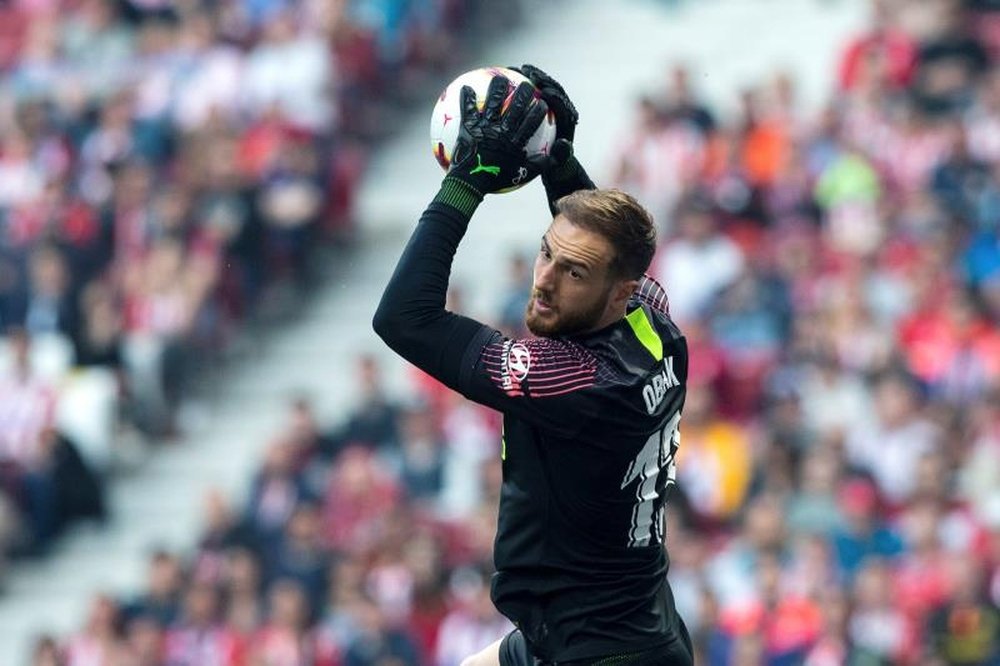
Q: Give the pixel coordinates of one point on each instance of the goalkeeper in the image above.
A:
(591, 404)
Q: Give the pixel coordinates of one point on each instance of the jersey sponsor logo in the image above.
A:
(518, 361)
(516, 364)
(655, 390)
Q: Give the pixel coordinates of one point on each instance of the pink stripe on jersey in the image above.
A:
(560, 382)
(539, 367)
(569, 389)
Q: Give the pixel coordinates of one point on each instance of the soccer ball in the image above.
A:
(448, 114)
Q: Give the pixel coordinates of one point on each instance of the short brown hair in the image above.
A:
(622, 220)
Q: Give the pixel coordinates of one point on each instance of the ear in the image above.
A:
(623, 291)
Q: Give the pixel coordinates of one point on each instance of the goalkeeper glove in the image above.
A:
(489, 154)
(556, 99)
(561, 173)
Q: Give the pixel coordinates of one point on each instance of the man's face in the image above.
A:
(572, 282)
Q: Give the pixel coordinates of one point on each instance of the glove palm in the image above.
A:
(489, 154)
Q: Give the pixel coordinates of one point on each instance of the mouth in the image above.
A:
(542, 307)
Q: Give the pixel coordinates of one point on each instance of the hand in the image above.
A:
(556, 98)
(489, 154)
(561, 173)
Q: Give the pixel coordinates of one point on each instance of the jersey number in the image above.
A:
(655, 458)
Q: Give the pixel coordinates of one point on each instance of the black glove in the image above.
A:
(565, 176)
(489, 154)
(557, 99)
(561, 173)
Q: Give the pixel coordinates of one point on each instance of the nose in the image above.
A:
(544, 277)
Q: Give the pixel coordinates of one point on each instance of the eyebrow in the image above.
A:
(569, 262)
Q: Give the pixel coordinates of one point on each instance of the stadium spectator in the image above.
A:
(48, 305)
(671, 152)
(161, 602)
(374, 421)
(421, 457)
(277, 490)
(714, 468)
(966, 629)
(885, 49)
(42, 471)
(813, 508)
(28, 408)
(198, 637)
(375, 642)
(681, 101)
(785, 622)
(890, 448)
(472, 622)
(878, 629)
(699, 262)
(949, 61)
(863, 536)
(99, 639)
(301, 556)
(515, 300)
(46, 652)
(359, 500)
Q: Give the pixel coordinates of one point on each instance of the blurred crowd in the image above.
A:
(366, 544)
(838, 280)
(167, 170)
(838, 498)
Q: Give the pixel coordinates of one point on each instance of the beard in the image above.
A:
(564, 322)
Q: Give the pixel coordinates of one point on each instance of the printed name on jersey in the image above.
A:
(656, 388)
(516, 364)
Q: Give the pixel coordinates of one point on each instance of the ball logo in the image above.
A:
(518, 362)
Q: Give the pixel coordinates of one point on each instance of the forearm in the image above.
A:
(411, 317)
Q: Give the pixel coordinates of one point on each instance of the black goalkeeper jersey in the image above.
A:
(589, 436)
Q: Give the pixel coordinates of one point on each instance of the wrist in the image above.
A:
(560, 173)
(459, 194)
(567, 177)
(563, 179)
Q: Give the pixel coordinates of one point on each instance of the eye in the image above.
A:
(544, 251)
(575, 274)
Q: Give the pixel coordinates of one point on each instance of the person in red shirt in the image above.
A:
(921, 582)
(952, 347)
(884, 48)
(199, 639)
(788, 623)
(286, 639)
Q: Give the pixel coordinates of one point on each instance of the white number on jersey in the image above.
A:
(655, 458)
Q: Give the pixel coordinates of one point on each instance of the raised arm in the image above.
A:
(411, 317)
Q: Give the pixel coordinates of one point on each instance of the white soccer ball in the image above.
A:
(448, 114)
